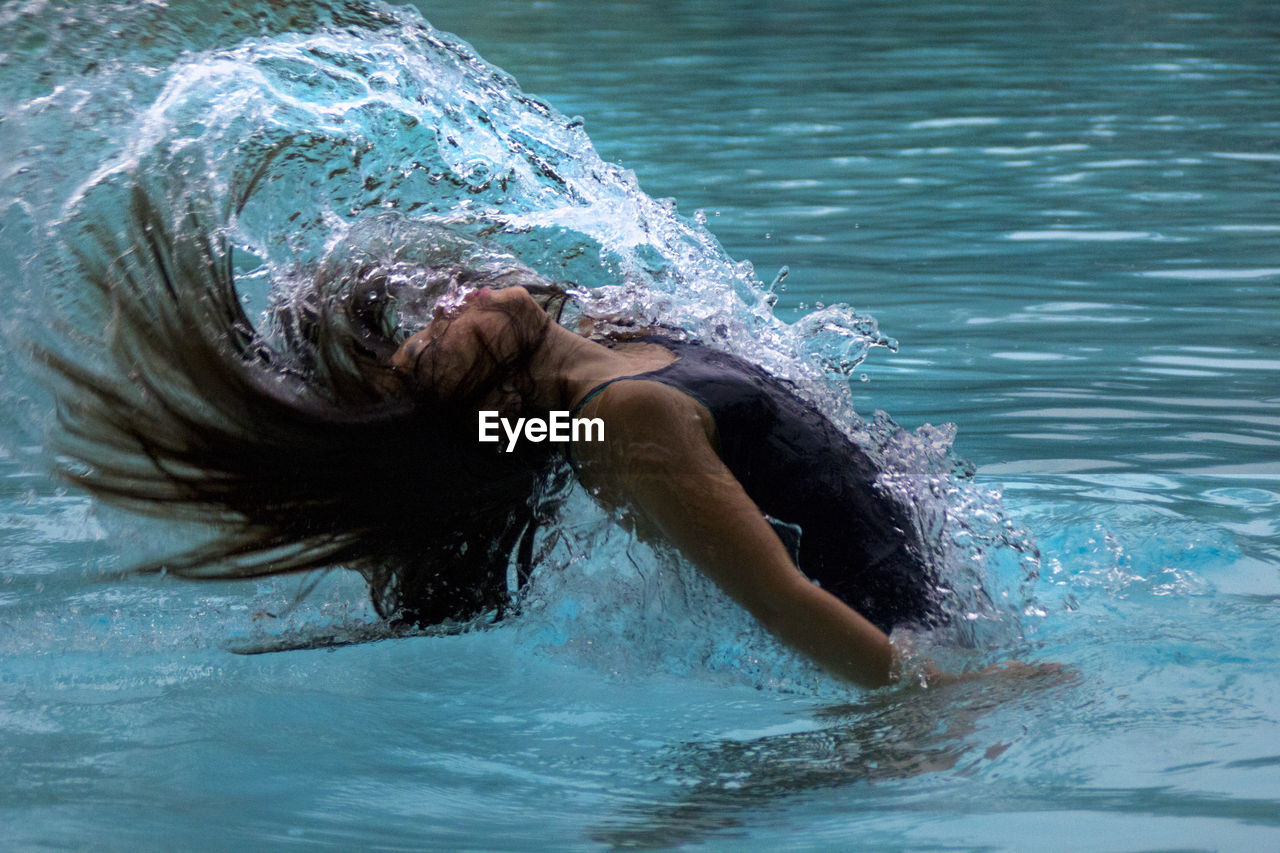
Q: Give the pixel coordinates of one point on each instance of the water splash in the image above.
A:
(306, 128)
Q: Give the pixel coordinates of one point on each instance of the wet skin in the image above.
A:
(657, 464)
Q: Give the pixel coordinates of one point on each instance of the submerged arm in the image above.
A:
(657, 461)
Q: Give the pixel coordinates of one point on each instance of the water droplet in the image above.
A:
(783, 272)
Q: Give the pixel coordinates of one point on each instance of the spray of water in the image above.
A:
(323, 131)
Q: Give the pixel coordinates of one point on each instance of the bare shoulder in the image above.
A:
(649, 427)
(635, 409)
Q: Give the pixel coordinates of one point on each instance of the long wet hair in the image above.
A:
(306, 454)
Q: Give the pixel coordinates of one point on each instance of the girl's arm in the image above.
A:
(658, 462)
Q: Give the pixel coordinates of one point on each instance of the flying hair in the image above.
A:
(306, 450)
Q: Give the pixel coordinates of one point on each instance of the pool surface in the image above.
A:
(1058, 229)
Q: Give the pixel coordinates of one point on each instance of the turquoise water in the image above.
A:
(1068, 221)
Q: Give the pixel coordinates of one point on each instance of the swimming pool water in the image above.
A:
(1068, 219)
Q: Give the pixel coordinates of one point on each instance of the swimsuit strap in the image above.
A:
(654, 375)
(595, 392)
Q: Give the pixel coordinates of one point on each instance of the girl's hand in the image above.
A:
(1011, 670)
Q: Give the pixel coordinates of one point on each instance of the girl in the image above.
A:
(354, 442)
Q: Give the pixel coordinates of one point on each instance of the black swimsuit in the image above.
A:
(815, 484)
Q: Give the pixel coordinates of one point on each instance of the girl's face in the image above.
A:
(466, 350)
